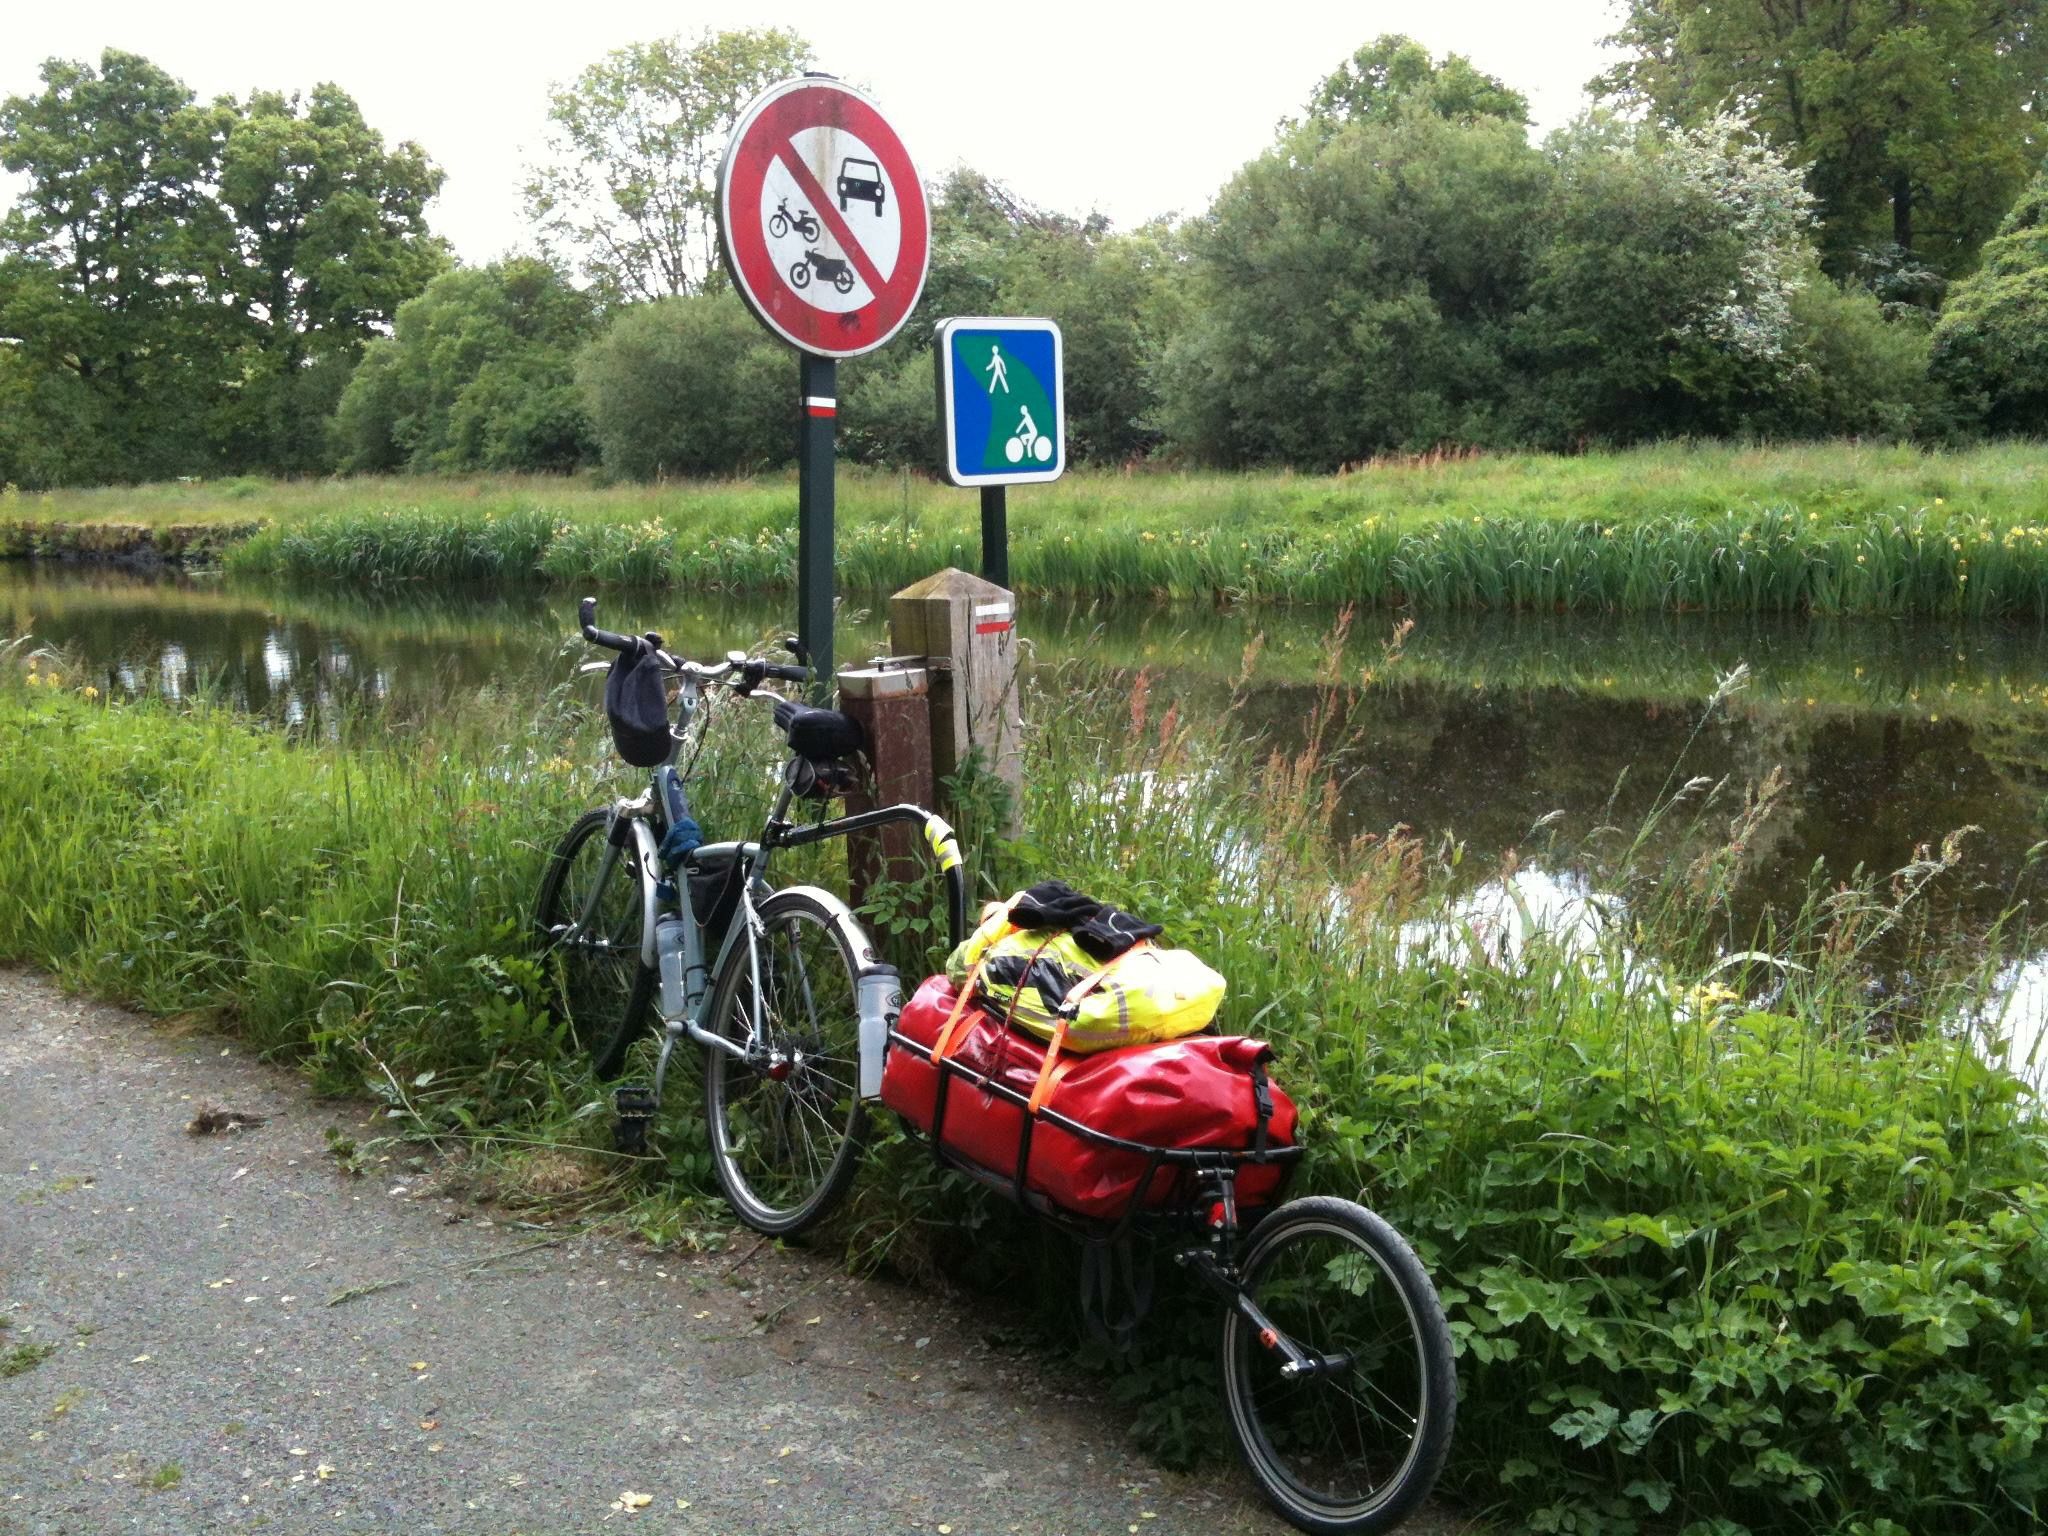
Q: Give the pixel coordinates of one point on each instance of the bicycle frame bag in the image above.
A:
(714, 896)
(1202, 1092)
(636, 704)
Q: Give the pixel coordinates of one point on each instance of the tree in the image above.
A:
(1991, 344)
(1916, 121)
(1661, 288)
(1353, 290)
(111, 254)
(479, 373)
(1394, 73)
(689, 386)
(330, 238)
(629, 194)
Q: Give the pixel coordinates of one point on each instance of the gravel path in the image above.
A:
(201, 1374)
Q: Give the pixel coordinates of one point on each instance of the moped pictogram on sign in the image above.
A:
(823, 218)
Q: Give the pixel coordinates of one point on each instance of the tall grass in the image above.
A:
(1729, 1242)
(1824, 529)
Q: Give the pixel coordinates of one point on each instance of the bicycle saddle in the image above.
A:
(819, 733)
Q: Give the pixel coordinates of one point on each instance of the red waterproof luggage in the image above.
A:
(1198, 1092)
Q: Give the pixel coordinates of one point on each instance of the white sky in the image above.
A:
(1142, 109)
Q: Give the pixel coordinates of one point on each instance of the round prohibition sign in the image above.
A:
(822, 218)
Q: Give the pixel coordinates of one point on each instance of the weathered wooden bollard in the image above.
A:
(948, 694)
(966, 630)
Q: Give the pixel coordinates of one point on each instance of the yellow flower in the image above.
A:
(34, 681)
(91, 692)
(1859, 559)
(1148, 536)
(1939, 502)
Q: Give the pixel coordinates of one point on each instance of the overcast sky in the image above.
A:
(1141, 109)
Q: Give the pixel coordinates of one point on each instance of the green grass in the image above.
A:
(1734, 1242)
(23, 1358)
(1828, 529)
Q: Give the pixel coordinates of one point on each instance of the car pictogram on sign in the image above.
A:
(860, 181)
(822, 217)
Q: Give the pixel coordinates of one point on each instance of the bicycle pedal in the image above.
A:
(634, 1104)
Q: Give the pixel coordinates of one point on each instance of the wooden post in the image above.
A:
(966, 629)
(891, 700)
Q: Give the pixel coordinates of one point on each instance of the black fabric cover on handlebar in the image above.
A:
(636, 704)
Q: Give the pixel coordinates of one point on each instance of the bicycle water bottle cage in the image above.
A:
(636, 704)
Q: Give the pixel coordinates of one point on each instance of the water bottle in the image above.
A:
(670, 936)
(881, 1000)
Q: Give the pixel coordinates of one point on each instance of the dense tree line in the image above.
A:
(1827, 219)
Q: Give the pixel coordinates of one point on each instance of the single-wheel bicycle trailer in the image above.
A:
(1336, 1361)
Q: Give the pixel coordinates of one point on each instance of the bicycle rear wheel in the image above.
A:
(1353, 1442)
(607, 994)
(786, 1123)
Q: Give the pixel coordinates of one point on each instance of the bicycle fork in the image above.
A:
(1214, 1263)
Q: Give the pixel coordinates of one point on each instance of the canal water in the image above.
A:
(1890, 734)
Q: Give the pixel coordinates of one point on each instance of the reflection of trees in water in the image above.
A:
(1428, 750)
(1485, 765)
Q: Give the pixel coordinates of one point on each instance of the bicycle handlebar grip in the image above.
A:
(788, 674)
(586, 614)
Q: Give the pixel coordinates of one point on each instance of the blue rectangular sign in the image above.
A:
(1002, 389)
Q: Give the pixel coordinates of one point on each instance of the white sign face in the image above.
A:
(823, 218)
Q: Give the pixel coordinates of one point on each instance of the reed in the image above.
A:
(1814, 529)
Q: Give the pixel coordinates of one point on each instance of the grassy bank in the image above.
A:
(1741, 1244)
(1829, 529)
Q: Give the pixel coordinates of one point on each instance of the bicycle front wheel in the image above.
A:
(1347, 1434)
(600, 984)
(786, 1122)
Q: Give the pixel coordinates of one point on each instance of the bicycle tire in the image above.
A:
(776, 1183)
(607, 995)
(1341, 1284)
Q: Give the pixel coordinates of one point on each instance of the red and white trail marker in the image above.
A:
(823, 218)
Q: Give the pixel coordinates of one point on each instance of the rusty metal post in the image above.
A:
(891, 700)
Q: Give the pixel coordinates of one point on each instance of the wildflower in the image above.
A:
(34, 681)
(91, 692)
(1148, 536)
(1859, 559)
(1939, 502)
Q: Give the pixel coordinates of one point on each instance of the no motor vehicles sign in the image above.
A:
(823, 218)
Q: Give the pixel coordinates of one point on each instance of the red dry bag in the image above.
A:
(1200, 1091)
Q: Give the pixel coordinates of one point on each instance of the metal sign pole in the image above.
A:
(995, 534)
(818, 385)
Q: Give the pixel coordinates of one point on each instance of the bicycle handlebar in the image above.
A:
(586, 615)
(751, 671)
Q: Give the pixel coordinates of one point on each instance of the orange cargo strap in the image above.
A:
(966, 996)
(1048, 1073)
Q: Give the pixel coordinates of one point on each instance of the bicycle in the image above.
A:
(781, 988)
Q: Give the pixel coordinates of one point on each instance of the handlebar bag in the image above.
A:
(636, 704)
(1202, 1092)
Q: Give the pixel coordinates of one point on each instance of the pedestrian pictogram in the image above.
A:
(1005, 409)
(823, 218)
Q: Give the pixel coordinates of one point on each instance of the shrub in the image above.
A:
(689, 386)
(1991, 344)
